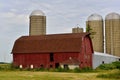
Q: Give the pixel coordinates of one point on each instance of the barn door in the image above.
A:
(57, 65)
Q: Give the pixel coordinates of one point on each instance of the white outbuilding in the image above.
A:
(101, 58)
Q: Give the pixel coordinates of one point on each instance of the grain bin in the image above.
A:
(95, 24)
(77, 30)
(112, 33)
(37, 23)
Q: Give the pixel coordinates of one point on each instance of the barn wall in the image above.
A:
(30, 59)
(87, 51)
(37, 59)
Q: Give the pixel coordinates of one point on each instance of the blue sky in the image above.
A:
(62, 16)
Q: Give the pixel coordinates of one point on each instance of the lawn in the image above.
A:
(31, 75)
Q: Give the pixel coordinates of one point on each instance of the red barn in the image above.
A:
(50, 51)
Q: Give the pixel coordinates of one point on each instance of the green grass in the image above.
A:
(26, 75)
(7, 72)
(33, 75)
(113, 74)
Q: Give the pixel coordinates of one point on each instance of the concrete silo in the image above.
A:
(95, 25)
(77, 30)
(37, 23)
(112, 33)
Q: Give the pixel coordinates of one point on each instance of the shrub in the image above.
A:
(40, 69)
(76, 70)
(106, 66)
(117, 64)
(59, 69)
(6, 67)
(113, 65)
(87, 69)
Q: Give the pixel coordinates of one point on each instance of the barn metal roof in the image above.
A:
(49, 43)
(105, 54)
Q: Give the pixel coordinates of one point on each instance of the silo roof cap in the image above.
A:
(112, 15)
(94, 17)
(37, 13)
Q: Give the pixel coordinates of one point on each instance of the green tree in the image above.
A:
(90, 30)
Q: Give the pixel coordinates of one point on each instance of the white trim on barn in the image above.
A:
(101, 58)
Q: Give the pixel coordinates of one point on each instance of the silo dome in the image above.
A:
(37, 23)
(112, 16)
(37, 13)
(95, 17)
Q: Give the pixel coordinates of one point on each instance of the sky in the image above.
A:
(61, 15)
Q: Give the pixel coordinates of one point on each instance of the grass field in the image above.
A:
(8, 73)
(31, 75)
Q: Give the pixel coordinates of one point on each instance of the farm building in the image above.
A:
(51, 51)
(103, 58)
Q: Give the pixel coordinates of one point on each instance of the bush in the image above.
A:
(8, 67)
(40, 69)
(59, 69)
(107, 66)
(117, 64)
(87, 69)
(4, 67)
(113, 65)
(77, 70)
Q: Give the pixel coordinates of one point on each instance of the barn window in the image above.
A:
(51, 57)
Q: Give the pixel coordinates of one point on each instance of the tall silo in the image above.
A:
(37, 23)
(112, 33)
(95, 25)
(77, 30)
